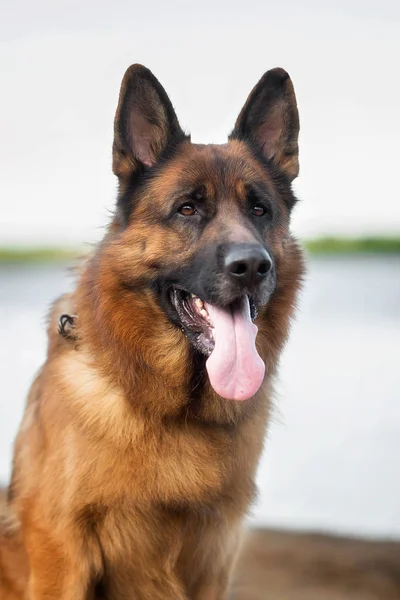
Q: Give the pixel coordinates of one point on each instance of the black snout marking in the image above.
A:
(247, 264)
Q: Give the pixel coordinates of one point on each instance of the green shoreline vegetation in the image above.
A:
(361, 245)
(15, 255)
(318, 246)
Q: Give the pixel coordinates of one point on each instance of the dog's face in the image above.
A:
(203, 227)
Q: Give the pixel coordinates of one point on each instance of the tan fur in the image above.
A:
(128, 483)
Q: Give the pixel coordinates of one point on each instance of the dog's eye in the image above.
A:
(258, 210)
(187, 210)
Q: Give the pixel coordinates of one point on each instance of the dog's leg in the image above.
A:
(58, 569)
(212, 590)
(145, 582)
(211, 575)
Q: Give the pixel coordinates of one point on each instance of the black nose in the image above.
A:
(247, 264)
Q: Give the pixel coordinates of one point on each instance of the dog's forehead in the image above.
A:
(221, 166)
(231, 161)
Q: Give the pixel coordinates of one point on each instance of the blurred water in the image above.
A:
(332, 457)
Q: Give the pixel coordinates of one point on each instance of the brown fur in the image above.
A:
(129, 480)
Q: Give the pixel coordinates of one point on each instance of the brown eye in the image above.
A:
(258, 210)
(187, 210)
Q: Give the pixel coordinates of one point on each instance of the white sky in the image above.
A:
(61, 64)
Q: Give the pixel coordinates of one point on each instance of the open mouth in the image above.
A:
(195, 320)
(227, 335)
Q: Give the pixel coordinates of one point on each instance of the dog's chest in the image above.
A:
(167, 468)
(148, 551)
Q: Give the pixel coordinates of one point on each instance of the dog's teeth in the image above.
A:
(199, 303)
(203, 312)
(193, 295)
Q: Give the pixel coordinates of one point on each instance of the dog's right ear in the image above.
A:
(145, 123)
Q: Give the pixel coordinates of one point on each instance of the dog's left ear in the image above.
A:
(270, 120)
(145, 122)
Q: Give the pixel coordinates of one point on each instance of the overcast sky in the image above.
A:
(61, 64)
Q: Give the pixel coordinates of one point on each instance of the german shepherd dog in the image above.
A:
(135, 462)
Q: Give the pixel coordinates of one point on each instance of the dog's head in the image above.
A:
(204, 227)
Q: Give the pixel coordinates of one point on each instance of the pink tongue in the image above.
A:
(235, 369)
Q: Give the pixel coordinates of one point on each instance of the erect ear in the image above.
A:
(270, 120)
(145, 122)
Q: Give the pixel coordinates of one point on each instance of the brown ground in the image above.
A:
(289, 566)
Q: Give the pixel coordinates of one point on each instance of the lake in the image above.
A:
(332, 454)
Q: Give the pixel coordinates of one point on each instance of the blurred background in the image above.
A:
(332, 458)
